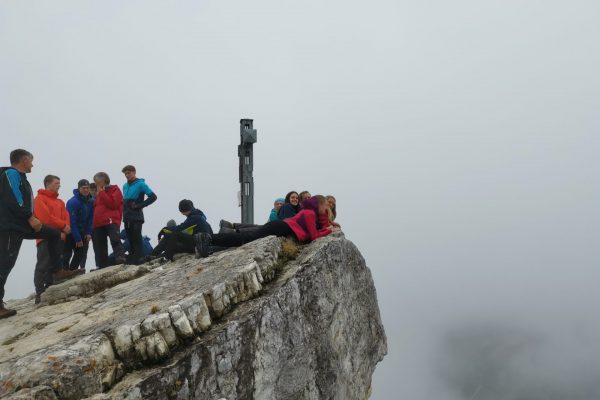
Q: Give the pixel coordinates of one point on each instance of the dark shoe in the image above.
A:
(226, 224)
(38, 298)
(227, 230)
(6, 312)
(120, 260)
(63, 275)
(202, 241)
(149, 258)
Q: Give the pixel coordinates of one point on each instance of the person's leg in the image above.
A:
(10, 244)
(276, 228)
(84, 253)
(136, 241)
(115, 242)
(178, 242)
(160, 247)
(69, 250)
(100, 246)
(78, 253)
(42, 267)
(52, 235)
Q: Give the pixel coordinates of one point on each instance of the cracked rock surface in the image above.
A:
(245, 323)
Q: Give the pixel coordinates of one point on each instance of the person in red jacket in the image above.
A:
(108, 214)
(303, 226)
(51, 211)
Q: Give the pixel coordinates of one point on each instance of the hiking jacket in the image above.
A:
(81, 213)
(108, 207)
(50, 210)
(288, 211)
(194, 223)
(16, 201)
(274, 216)
(133, 200)
(304, 226)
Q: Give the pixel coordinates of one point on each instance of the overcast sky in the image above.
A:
(459, 137)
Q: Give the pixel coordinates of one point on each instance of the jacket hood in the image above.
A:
(47, 193)
(78, 194)
(111, 188)
(136, 181)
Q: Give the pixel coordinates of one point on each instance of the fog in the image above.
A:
(459, 138)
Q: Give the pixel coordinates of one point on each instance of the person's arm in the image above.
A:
(150, 197)
(189, 222)
(90, 222)
(73, 207)
(42, 212)
(12, 196)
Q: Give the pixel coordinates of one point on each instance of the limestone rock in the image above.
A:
(245, 323)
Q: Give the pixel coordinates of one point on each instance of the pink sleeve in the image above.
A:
(311, 224)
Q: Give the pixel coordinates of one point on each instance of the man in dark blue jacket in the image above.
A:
(81, 213)
(180, 239)
(17, 221)
(136, 196)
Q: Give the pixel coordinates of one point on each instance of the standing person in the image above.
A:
(51, 211)
(81, 214)
(303, 226)
(108, 213)
(16, 218)
(136, 195)
(291, 206)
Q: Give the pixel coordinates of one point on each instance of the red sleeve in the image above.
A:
(311, 224)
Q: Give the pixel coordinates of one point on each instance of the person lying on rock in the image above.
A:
(304, 226)
(179, 238)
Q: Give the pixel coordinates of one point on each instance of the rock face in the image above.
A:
(246, 323)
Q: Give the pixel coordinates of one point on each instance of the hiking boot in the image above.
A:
(6, 312)
(224, 229)
(149, 258)
(38, 298)
(120, 260)
(63, 275)
(202, 241)
(226, 224)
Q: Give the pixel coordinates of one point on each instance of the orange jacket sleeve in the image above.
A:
(42, 211)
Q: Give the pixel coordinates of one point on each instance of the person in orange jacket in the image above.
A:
(51, 211)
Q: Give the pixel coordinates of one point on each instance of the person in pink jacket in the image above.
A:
(304, 226)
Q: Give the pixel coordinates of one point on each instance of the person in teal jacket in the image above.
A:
(276, 207)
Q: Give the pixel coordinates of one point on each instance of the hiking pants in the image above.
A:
(44, 268)
(277, 228)
(78, 254)
(178, 242)
(10, 244)
(100, 235)
(136, 241)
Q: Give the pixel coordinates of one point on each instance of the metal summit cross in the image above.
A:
(246, 156)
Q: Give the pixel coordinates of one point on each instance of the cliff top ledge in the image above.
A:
(251, 322)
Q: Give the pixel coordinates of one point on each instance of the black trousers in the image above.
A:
(136, 241)
(44, 268)
(10, 244)
(78, 254)
(100, 242)
(277, 228)
(178, 242)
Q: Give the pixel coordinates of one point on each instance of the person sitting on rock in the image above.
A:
(303, 226)
(179, 239)
(276, 207)
(291, 206)
(146, 248)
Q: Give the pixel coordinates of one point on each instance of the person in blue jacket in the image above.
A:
(180, 238)
(81, 213)
(146, 247)
(136, 196)
(274, 216)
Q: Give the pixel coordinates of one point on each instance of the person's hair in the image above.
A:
(49, 179)
(104, 176)
(93, 185)
(313, 203)
(186, 205)
(302, 194)
(128, 168)
(333, 209)
(287, 196)
(16, 156)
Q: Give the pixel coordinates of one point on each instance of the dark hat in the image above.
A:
(185, 205)
(83, 182)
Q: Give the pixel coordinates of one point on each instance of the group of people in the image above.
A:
(94, 214)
